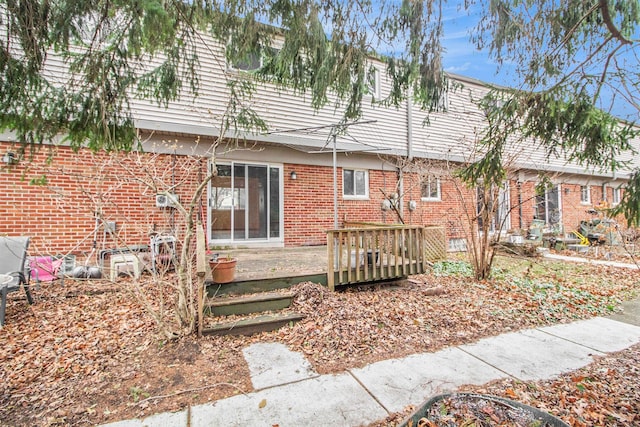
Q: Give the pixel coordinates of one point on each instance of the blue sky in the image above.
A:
(462, 58)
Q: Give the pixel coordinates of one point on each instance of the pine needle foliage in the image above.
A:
(107, 47)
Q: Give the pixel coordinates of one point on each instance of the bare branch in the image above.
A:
(604, 7)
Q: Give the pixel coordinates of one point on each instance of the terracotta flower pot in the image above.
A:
(223, 269)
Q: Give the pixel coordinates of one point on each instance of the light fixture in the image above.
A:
(9, 158)
(294, 176)
(566, 190)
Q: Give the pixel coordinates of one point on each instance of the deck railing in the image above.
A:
(367, 252)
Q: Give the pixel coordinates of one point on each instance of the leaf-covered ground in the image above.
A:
(88, 353)
(604, 393)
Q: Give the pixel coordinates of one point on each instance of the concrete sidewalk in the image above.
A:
(590, 261)
(289, 393)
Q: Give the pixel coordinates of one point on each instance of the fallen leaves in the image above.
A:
(87, 351)
(602, 393)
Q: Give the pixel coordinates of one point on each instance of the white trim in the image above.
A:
(301, 141)
(588, 194)
(354, 196)
(615, 198)
(438, 197)
(268, 241)
(374, 91)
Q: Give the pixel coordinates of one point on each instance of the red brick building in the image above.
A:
(277, 189)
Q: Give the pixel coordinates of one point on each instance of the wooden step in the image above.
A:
(254, 325)
(246, 304)
(262, 285)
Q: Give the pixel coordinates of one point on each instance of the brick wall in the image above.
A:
(76, 188)
(309, 207)
(61, 214)
(309, 204)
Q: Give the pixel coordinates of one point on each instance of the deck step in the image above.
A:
(250, 286)
(253, 303)
(254, 325)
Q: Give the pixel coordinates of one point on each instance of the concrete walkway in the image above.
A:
(590, 261)
(289, 393)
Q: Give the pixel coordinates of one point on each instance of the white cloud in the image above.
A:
(458, 69)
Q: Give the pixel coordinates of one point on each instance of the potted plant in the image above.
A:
(223, 269)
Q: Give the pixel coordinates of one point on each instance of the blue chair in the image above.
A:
(13, 255)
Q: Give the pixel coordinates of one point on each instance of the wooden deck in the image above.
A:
(368, 252)
(269, 263)
(355, 255)
(359, 254)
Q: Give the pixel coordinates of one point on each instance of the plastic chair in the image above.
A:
(163, 252)
(13, 255)
(45, 268)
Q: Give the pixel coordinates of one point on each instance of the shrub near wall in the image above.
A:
(57, 203)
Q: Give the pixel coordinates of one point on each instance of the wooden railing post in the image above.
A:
(331, 261)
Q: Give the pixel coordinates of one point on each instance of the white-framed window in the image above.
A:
(493, 205)
(253, 61)
(355, 184)
(430, 188)
(373, 83)
(585, 194)
(616, 196)
(443, 104)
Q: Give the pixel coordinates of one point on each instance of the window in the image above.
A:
(547, 206)
(355, 184)
(616, 196)
(253, 61)
(585, 194)
(250, 62)
(430, 189)
(373, 83)
(493, 206)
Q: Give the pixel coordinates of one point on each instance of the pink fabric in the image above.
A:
(45, 268)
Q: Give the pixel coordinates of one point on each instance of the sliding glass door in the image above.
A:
(547, 206)
(245, 202)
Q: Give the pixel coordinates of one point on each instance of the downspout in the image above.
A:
(409, 126)
(409, 154)
(519, 188)
(400, 194)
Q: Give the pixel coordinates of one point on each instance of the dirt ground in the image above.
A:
(88, 352)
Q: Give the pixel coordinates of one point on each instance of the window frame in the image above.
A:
(616, 195)
(585, 190)
(260, 57)
(356, 196)
(373, 90)
(429, 182)
(234, 67)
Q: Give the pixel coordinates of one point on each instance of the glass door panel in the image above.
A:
(274, 202)
(548, 206)
(221, 204)
(246, 203)
(257, 202)
(240, 202)
(553, 205)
